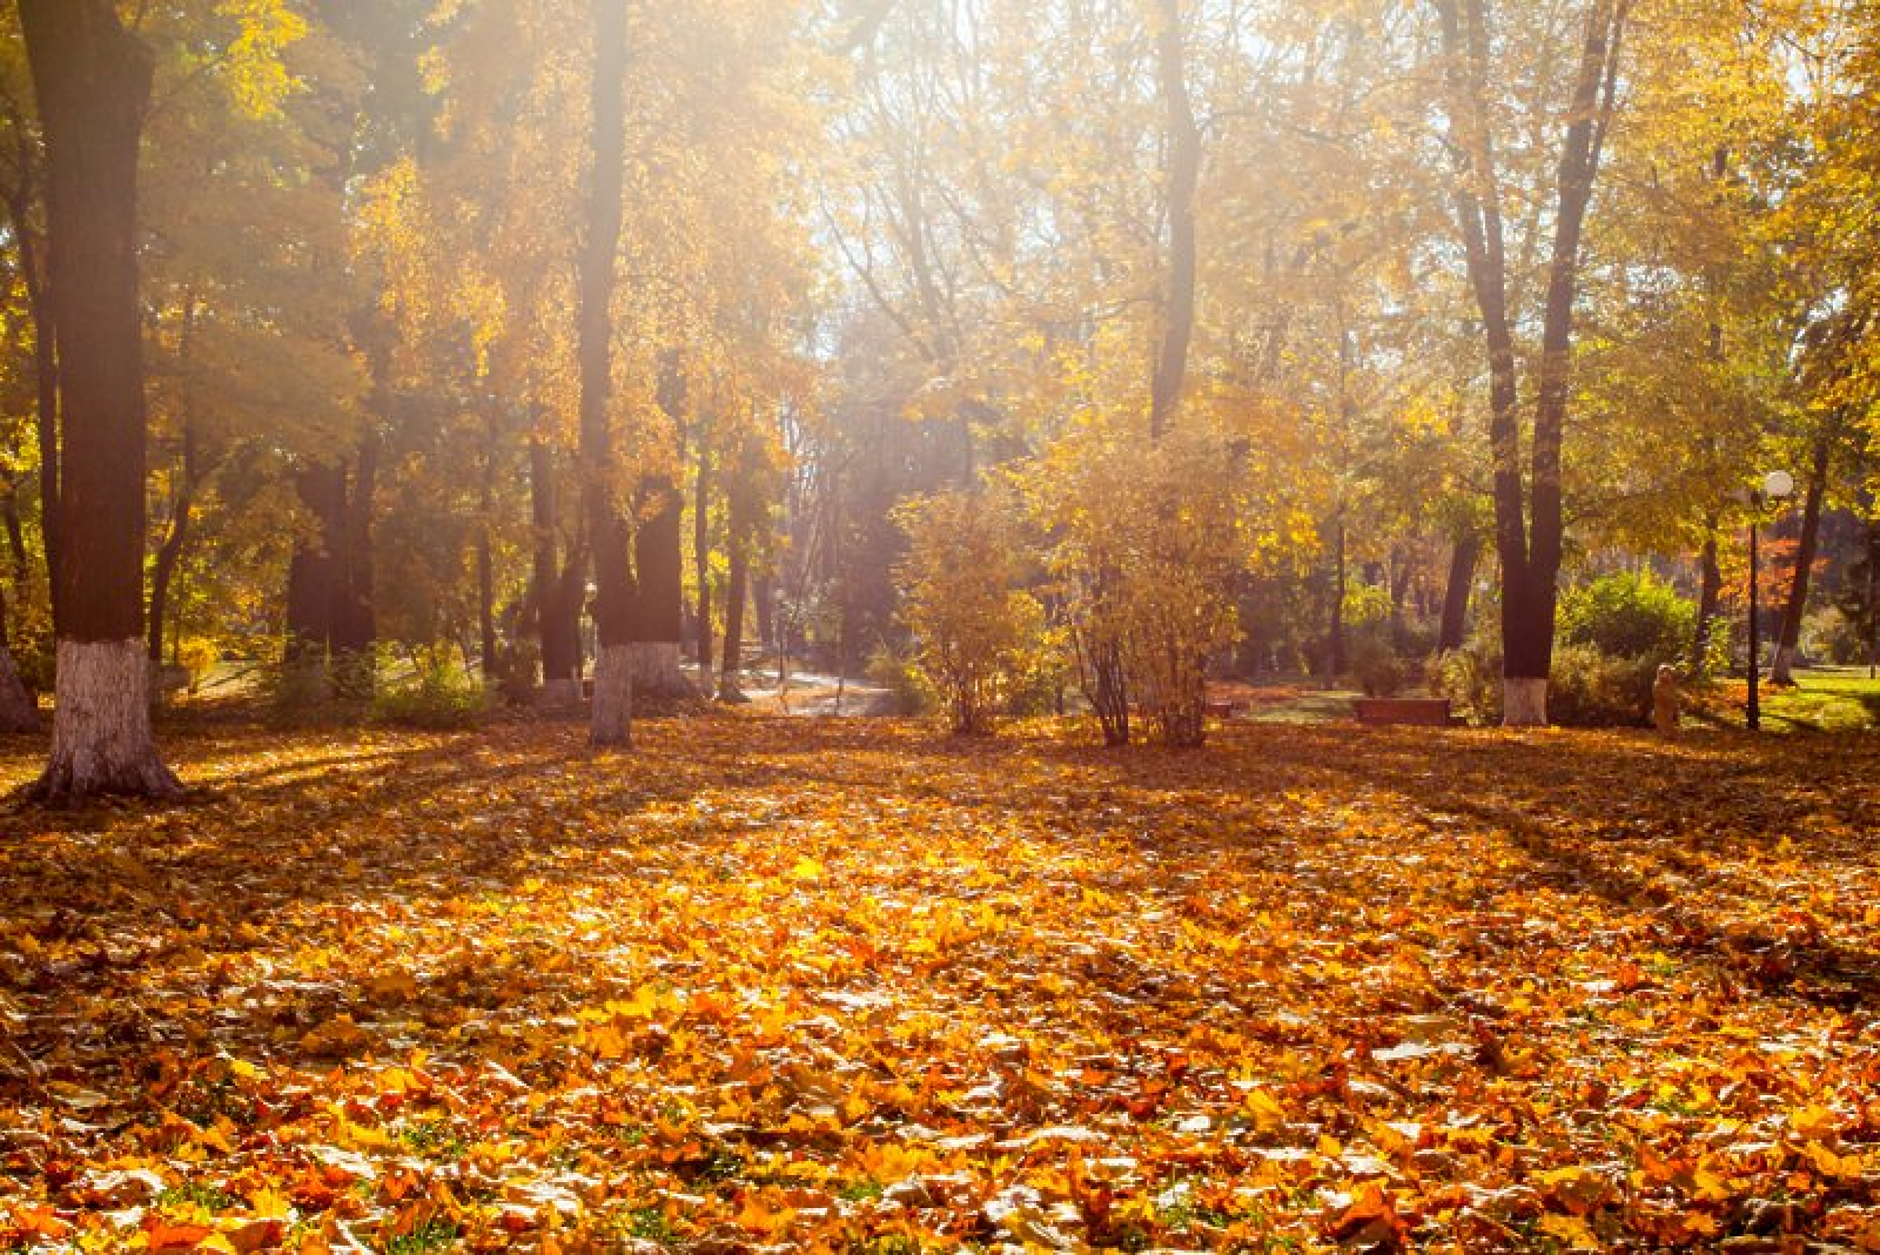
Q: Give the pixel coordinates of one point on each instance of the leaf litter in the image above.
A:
(800, 985)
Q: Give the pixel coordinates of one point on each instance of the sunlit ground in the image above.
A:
(806, 983)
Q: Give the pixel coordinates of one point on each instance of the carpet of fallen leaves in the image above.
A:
(768, 984)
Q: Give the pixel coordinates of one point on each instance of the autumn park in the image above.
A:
(890, 626)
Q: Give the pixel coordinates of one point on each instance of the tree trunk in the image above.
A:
(555, 591)
(612, 718)
(93, 80)
(45, 380)
(1183, 176)
(18, 711)
(1791, 638)
(737, 583)
(764, 601)
(659, 593)
(175, 539)
(702, 564)
(1462, 562)
(313, 575)
(487, 664)
(355, 618)
(1335, 625)
(1528, 518)
(1709, 592)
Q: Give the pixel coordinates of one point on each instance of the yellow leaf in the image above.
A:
(807, 869)
(1571, 1230)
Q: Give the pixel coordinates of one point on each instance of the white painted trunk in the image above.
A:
(563, 694)
(1523, 702)
(101, 741)
(656, 672)
(1783, 670)
(18, 713)
(612, 722)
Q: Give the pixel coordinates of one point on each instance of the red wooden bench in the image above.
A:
(1427, 712)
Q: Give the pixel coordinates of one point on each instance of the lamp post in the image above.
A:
(1776, 486)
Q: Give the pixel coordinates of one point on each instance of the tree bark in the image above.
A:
(1182, 179)
(18, 711)
(45, 374)
(1709, 592)
(1462, 563)
(702, 563)
(92, 79)
(1782, 672)
(355, 616)
(1335, 619)
(1528, 510)
(175, 540)
(737, 584)
(487, 664)
(764, 602)
(313, 574)
(659, 593)
(612, 718)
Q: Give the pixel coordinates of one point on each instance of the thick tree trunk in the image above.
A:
(1787, 644)
(612, 718)
(659, 594)
(1528, 514)
(93, 80)
(1709, 592)
(355, 617)
(555, 590)
(1462, 562)
(313, 573)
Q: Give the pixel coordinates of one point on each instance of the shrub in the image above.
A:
(198, 657)
(1374, 661)
(1590, 688)
(970, 622)
(439, 695)
(1470, 678)
(899, 672)
(1629, 616)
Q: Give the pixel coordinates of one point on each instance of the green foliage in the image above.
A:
(1629, 615)
(1373, 658)
(1614, 635)
(971, 622)
(298, 691)
(1470, 678)
(900, 673)
(1589, 688)
(439, 694)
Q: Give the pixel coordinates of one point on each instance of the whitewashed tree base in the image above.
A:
(612, 720)
(18, 713)
(656, 672)
(101, 740)
(1523, 703)
(563, 694)
(1782, 671)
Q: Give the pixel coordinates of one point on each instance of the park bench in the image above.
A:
(1431, 712)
